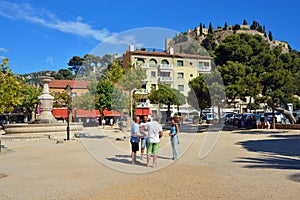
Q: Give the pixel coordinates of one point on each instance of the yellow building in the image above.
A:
(78, 87)
(168, 67)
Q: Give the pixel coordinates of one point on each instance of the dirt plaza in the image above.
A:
(239, 164)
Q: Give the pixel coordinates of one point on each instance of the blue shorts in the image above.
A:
(143, 143)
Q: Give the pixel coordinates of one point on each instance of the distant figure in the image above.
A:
(174, 138)
(111, 122)
(103, 122)
(155, 132)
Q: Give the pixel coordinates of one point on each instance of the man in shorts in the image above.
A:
(154, 134)
(135, 138)
(144, 139)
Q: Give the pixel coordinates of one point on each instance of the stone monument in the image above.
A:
(45, 102)
(45, 124)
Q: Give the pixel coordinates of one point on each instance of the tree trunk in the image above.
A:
(273, 119)
(286, 113)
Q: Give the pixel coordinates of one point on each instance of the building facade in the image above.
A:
(78, 87)
(167, 67)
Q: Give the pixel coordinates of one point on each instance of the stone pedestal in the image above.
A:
(45, 103)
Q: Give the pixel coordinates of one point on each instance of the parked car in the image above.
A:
(228, 118)
(296, 114)
(268, 117)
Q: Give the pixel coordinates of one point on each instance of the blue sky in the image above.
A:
(44, 35)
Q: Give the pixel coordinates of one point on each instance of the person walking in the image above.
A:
(111, 121)
(155, 132)
(103, 122)
(144, 138)
(135, 138)
(174, 138)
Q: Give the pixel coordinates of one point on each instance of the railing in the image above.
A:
(142, 91)
(166, 66)
(204, 69)
(144, 66)
(165, 78)
(142, 104)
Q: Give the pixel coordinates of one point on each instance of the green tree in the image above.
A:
(164, 95)
(114, 72)
(60, 99)
(236, 27)
(225, 26)
(199, 97)
(76, 63)
(278, 86)
(92, 87)
(234, 74)
(254, 25)
(210, 29)
(63, 74)
(10, 88)
(216, 90)
(201, 29)
(91, 63)
(270, 36)
(245, 22)
(120, 100)
(103, 95)
(133, 78)
(85, 101)
(29, 100)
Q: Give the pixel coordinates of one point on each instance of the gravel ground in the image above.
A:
(244, 164)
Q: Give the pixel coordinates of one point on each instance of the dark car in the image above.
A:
(296, 114)
(268, 117)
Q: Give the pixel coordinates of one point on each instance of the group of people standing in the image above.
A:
(149, 134)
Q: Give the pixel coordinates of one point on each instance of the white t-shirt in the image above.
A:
(153, 131)
(145, 129)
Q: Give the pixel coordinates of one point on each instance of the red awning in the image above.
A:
(142, 111)
(111, 113)
(60, 113)
(87, 113)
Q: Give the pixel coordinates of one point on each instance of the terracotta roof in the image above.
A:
(165, 54)
(75, 84)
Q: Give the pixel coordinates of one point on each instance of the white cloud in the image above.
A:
(3, 49)
(50, 60)
(24, 11)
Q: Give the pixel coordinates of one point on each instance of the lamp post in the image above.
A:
(68, 91)
(131, 97)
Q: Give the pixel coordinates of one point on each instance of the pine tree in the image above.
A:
(270, 36)
(210, 29)
(245, 22)
(225, 26)
(201, 29)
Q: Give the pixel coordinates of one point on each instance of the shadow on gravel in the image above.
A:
(84, 135)
(270, 162)
(281, 153)
(259, 131)
(294, 177)
(125, 159)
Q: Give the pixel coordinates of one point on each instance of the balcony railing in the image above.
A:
(144, 66)
(204, 69)
(142, 104)
(166, 66)
(142, 91)
(165, 79)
